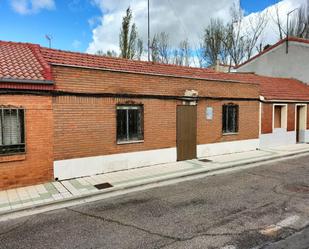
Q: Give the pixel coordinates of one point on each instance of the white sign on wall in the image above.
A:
(209, 113)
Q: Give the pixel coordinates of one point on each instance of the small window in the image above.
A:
(230, 118)
(12, 137)
(130, 123)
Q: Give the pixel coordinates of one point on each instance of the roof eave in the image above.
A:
(26, 81)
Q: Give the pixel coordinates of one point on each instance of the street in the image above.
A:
(263, 207)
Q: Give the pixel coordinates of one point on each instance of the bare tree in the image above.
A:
(155, 50)
(299, 25)
(140, 49)
(182, 54)
(128, 36)
(108, 53)
(234, 40)
(240, 41)
(279, 23)
(212, 46)
(161, 49)
(254, 32)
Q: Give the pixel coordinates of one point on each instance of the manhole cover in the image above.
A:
(205, 160)
(297, 188)
(103, 185)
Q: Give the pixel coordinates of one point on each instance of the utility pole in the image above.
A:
(148, 32)
(287, 29)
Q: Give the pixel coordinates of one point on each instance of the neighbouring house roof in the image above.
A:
(274, 88)
(25, 62)
(290, 39)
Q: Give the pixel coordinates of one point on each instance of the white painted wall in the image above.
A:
(305, 135)
(205, 150)
(78, 167)
(279, 64)
(71, 168)
(280, 136)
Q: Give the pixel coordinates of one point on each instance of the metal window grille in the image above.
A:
(230, 118)
(12, 134)
(130, 123)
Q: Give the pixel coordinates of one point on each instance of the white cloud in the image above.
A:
(180, 18)
(25, 7)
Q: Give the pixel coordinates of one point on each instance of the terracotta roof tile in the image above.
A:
(29, 61)
(273, 88)
(22, 61)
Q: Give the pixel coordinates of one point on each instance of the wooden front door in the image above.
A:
(186, 132)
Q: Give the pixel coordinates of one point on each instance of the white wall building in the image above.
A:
(281, 60)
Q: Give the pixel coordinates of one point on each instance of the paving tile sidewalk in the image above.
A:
(43, 194)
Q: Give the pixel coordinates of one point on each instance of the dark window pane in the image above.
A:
(12, 136)
(121, 125)
(135, 121)
(230, 118)
(129, 123)
(224, 120)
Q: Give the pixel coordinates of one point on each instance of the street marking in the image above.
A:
(273, 229)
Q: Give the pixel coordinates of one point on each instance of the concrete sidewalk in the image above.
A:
(31, 197)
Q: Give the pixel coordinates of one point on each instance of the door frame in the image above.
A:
(297, 122)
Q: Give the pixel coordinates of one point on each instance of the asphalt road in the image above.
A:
(264, 207)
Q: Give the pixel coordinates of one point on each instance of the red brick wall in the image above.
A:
(267, 118)
(267, 113)
(86, 126)
(96, 81)
(36, 165)
(210, 131)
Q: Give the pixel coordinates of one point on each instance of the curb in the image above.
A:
(84, 198)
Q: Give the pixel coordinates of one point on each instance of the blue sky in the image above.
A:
(66, 20)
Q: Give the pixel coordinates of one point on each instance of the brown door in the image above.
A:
(186, 132)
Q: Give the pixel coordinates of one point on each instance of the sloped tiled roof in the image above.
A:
(22, 61)
(26, 61)
(61, 57)
(273, 88)
(270, 87)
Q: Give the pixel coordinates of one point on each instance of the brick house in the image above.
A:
(66, 114)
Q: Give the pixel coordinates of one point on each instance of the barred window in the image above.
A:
(230, 118)
(12, 136)
(130, 123)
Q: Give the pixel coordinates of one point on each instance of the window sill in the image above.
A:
(131, 142)
(12, 158)
(230, 133)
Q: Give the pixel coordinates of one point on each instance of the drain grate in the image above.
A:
(205, 160)
(103, 185)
